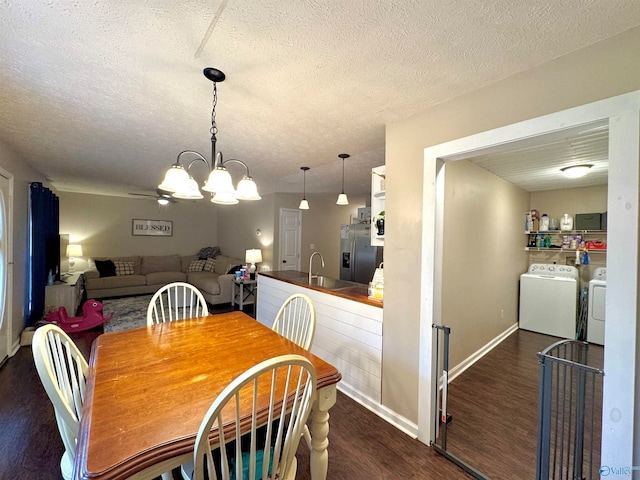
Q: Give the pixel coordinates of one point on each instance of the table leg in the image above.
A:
(233, 292)
(242, 297)
(320, 431)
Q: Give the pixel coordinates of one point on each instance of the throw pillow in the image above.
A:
(209, 265)
(208, 252)
(106, 268)
(196, 266)
(123, 268)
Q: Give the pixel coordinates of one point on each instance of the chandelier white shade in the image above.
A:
(342, 198)
(576, 171)
(179, 182)
(304, 204)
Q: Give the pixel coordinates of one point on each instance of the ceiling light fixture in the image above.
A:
(342, 198)
(576, 171)
(181, 184)
(304, 205)
(163, 201)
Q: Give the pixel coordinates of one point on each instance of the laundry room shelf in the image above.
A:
(560, 250)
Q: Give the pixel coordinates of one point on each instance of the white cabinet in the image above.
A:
(67, 294)
(377, 204)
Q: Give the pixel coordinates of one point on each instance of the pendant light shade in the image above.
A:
(304, 205)
(342, 198)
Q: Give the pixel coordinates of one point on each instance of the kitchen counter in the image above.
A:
(339, 288)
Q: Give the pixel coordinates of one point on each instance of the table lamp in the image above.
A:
(253, 256)
(73, 250)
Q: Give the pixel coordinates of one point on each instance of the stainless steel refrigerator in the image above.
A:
(358, 259)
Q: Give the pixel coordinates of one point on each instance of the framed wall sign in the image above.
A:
(156, 228)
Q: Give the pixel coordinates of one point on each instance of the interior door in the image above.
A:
(290, 238)
(5, 244)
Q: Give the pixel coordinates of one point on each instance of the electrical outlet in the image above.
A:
(502, 314)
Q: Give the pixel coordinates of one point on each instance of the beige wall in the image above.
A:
(321, 227)
(483, 256)
(102, 225)
(23, 175)
(237, 227)
(597, 72)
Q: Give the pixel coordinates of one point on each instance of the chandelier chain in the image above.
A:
(214, 126)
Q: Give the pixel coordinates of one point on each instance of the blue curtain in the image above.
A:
(44, 248)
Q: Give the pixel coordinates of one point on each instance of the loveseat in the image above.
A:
(138, 275)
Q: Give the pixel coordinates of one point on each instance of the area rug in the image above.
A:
(128, 312)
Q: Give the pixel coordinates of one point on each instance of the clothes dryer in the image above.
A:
(597, 301)
(548, 300)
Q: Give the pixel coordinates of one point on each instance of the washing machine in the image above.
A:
(597, 298)
(548, 300)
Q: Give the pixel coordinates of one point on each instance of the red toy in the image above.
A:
(91, 317)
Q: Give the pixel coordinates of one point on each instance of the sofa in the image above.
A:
(138, 275)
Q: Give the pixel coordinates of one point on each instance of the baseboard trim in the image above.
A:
(474, 357)
(401, 423)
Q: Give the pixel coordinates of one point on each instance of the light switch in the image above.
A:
(312, 246)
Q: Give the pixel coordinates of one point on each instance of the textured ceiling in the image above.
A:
(101, 96)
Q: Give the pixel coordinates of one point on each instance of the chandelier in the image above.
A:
(179, 182)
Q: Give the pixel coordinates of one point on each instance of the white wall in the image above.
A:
(23, 175)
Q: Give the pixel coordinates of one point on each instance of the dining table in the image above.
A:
(149, 388)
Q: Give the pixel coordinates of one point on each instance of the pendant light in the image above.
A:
(304, 205)
(342, 198)
(179, 182)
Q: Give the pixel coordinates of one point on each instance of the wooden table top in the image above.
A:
(149, 388)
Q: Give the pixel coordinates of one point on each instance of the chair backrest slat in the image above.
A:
(176, 301)
(290, 405)
(296, 320)
(63, 372)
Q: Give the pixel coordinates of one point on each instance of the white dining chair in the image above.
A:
(176, 301)
(63, 372)
(268, 449)
(296, 320)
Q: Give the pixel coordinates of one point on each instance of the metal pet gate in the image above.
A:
(569, 413)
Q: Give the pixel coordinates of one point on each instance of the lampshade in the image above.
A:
(253, 256)
(74, 250)
(224, 198)
(219, 181)
(174, 178)
(342, 199)
(188, 190)
(576, 171)
(304, 205)
(247, 189)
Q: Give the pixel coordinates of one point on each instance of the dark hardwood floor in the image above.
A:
(502, 386)
(494, 405)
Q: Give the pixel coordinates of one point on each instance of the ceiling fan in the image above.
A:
(162, 196)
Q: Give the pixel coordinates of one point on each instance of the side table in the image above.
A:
(248, 292)
(67, 293)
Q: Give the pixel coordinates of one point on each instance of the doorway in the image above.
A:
(621, 115)
(290, 239)
(6, 264)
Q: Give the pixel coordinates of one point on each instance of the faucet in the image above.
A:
(311, 262)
